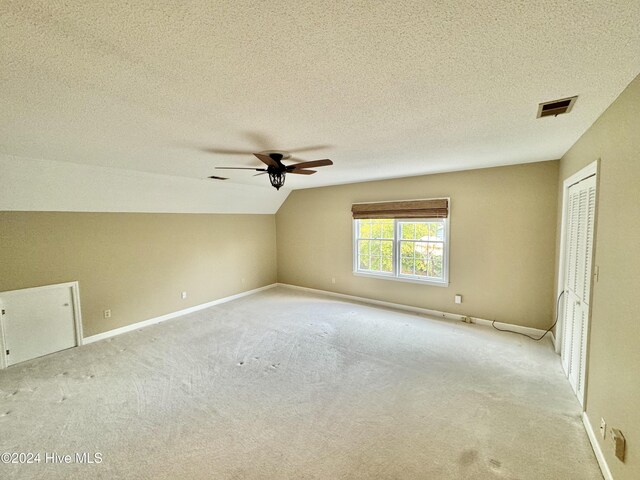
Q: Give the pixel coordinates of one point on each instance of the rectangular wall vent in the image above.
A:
(556, 107)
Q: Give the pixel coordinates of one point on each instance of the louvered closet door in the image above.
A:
(579, 251)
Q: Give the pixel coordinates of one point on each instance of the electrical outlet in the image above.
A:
(603, 428)
(244, 281)
(183, 295)
(333, 280)
(107, 314)
(458, 299)
(618, 443)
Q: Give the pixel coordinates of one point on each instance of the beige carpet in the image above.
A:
(289, 385)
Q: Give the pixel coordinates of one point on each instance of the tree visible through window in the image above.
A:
(402, 248)
(375, 245)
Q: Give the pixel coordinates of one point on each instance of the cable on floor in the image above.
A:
(545, 333)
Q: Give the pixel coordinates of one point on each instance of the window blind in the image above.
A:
(434, 208)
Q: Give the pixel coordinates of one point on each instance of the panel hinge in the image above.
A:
(8, 351)
(3, 311)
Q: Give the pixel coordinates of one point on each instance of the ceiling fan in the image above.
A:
(278, 170)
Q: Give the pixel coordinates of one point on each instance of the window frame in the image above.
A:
(395, 275)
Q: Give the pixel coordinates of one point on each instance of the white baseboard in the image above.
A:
(168, 316)
(398, 306)
(425, 311)
(606, 473)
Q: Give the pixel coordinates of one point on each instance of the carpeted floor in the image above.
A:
(289, 385)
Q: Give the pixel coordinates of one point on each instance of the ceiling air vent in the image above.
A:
(213, 177)
(556, 107)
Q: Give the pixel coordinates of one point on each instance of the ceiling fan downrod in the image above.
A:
(277, 157)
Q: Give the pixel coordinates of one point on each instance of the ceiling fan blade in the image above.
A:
(215, 177)
(302, 172)
(261, 173)
(267, 160)
(242, 168)
(227, 151)
(309, 149)
(312, 163)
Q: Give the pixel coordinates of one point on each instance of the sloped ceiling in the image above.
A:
(46, 185)
(391, 88)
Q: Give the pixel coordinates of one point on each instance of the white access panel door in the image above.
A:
(579, 252)
(38, 321)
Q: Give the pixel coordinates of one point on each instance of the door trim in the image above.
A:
(77, 313)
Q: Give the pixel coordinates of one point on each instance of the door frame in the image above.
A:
(589, 170)
(77, 314)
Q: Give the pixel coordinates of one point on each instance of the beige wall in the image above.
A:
(136, 264)
(613, 379)
(503, 228)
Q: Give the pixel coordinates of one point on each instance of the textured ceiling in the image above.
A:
(394, 88)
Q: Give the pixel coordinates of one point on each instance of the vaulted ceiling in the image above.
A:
(387, 88)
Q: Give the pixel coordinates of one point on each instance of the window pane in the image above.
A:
(375, 247)
(432, 234)
(406, 249)
(376, 230)
(421, 264)
(386, 247)
(406, 265)
(408, 231)
(429, 231)
(363, 247)
(429, 259)
(364, 229)
(421, 248)
(387, 229)
(364, 262)
(376, 263)
(422, 230)
(387, 264)
(425, 231)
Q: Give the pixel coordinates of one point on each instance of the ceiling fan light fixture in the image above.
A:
(276, 178)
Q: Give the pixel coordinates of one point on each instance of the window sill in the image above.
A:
(401, 279)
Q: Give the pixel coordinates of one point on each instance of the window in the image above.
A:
(408, 249)
(405, 240)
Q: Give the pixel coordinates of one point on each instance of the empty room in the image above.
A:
(319, 240)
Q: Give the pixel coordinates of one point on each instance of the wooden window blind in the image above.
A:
(434, 208)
